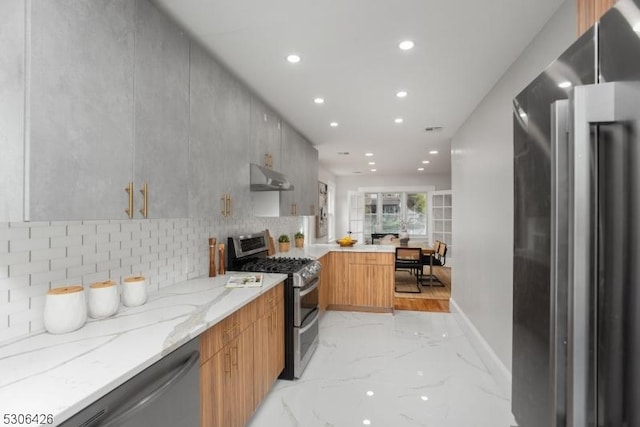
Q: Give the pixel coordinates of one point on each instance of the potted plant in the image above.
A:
(299, 239)
(283, 243)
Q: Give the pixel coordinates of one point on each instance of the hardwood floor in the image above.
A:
(431, 298)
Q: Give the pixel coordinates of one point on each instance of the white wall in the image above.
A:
(482, 184)
(353, 182)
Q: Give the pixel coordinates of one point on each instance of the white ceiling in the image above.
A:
(350, 57)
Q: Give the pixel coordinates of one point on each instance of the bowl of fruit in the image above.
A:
(346, 241)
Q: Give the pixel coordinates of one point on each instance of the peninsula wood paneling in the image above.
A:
(589, 11)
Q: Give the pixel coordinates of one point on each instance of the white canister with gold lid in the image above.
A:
(104, 299)
(134, 291)
(65, 309)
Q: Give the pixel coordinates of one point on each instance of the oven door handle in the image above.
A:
(310, 287)
(312, 322)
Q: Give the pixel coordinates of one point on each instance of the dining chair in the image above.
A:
(410, 259)
(441, 255)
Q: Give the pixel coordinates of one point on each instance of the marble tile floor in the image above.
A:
(408, 369)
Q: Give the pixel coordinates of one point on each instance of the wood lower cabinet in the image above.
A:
(268, 344)
(226, 389)
(325, 282)
(361, 280)
(338, 286)
(241, 357)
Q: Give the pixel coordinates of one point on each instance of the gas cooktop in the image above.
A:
(276, 265)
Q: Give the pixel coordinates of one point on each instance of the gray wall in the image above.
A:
(347, 183)
(482, 183)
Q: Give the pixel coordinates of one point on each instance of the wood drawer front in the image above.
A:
(371, 258)
(270, 299)
(226, 330)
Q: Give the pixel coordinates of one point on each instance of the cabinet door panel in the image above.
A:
(231, 123)
(242, 362)
(293, 162)
(81, 109)
(215, 381)
(161, 113)
(265, 134)
(12, 44)
(310, 193)
(205, 159)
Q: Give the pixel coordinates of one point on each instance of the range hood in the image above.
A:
(265, 179)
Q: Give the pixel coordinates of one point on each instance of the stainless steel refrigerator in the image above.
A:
(576, 253)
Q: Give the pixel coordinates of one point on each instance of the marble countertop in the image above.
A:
(320, 249)
(62, 374)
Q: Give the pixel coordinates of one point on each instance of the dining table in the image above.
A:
(427, 251)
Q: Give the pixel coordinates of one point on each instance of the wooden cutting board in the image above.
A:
(272, 246)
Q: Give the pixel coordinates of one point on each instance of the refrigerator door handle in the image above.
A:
(559, 260)
(590, 105)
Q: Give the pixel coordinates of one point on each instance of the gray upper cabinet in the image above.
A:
(309, 202)
(265, 134)
(161, 143)
(205, 160)
(219, 138)
(300, 164)
(12, 44)
(81, 109)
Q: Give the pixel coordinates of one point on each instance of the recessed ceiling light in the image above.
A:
(425, 162)
(293, 58)
(399, 120)
(372, 163)
(564, 85)
(333, 124)
(319, 100)
(368, 154)
(373, 170)
(420, 169)
(406, 45)
(401, 94)
(636, 27)
(433, 152)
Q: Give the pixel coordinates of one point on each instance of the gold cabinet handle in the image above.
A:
(229, 204)
(145, 199)
(129, 190)
(227, 362)
(234, 355)
(223, 201)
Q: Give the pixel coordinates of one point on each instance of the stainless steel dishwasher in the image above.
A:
(165, 394)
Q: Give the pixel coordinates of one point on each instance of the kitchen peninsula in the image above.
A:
(355, 278)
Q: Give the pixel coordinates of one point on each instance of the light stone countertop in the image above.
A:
(62, 374)
(318, 250)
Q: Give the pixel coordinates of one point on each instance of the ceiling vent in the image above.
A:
(433, 129)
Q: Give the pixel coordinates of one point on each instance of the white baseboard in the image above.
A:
(494, 365)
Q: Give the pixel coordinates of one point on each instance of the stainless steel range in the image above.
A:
(249, 253)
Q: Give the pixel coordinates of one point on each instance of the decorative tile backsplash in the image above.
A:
(38, 256)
